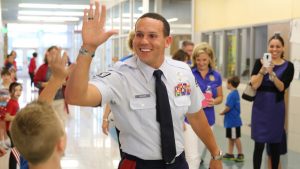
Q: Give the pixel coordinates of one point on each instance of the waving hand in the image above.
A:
(93, 32)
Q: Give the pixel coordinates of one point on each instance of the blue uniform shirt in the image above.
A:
(232, 118)
(213, 79)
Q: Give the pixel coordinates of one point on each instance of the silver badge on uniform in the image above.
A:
(103, 74)
(142, 96)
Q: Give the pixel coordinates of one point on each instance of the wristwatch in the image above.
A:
(218, 157)
(83, 51)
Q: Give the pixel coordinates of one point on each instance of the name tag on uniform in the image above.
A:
(142, 96)
(182, 89)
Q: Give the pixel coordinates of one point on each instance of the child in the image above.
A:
(15, 90)
(13, 74)
(6, 78)
(232, 120)
(4, 97)
(12, 107)
(37, 131)
(6, 81)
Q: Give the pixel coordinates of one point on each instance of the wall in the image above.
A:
(210, 15)
(294, 99)
(1, 40)
(222, 14)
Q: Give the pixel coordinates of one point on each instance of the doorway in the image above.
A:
(23, 59)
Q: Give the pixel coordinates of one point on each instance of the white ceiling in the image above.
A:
(10, 8)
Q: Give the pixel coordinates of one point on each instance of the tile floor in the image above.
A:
(89, 148)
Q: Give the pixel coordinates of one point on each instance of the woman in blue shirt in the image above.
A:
(205, 74)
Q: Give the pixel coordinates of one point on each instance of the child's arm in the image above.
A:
(58, 77)
(8, 117)
(226, 110)
(11, 110)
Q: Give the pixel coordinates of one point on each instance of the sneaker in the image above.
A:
(228, 157)
(240, 158)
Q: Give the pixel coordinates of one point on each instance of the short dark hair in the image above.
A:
(5, 71)
(180, 55)
(12, 86)
(187, 43)
(157, 16)
(34, 54)
(278, 37)
(234, 81)
(48, 50)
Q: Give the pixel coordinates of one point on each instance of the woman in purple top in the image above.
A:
(204, 71)
(268, 111)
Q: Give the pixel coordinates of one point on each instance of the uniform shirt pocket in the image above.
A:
(142, 103)
(144, 110)
(182, 104)
(182, 101)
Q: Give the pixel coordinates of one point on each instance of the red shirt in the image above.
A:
(14, 64)
(12, 107)
(40, 76)
(32, 65)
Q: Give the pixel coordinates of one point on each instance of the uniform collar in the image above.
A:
(147, 70)
(132, 61)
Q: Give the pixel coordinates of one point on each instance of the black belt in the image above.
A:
(154, 162)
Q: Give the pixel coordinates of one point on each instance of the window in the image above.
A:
(230, 53)
(236, 49)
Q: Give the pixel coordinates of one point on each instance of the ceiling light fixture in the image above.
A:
(172, 19)
(53, 6)
(51, 13)
(48, 19)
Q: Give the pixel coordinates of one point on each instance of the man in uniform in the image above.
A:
(137, 90)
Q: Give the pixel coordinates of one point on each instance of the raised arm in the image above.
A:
(78, 91)
(58, 77)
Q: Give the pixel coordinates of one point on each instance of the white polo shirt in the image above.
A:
(129, 88)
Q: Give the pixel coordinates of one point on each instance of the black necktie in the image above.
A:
(164, 117)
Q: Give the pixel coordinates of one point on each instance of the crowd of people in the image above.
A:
(11, 90)
(164, 119)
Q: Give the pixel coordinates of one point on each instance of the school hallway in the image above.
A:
(89, 148)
